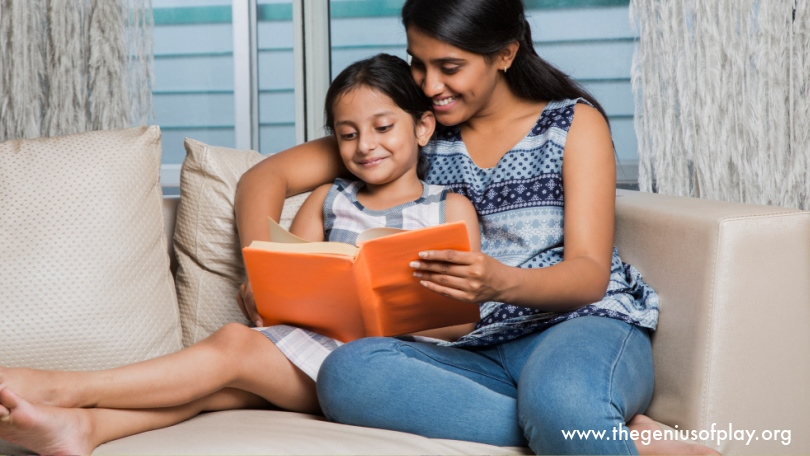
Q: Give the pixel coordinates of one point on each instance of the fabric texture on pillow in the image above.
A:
(206, 243)
(84, 277)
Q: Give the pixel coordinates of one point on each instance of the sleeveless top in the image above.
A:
(520, 210)
(344, 217)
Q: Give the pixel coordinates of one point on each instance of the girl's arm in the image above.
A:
(262, 189)
(308, 221)
(589, 181)
(459, 208)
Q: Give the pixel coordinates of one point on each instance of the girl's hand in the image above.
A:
(464, 276)
(247, 304)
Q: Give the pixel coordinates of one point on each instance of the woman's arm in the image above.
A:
(589, 181)
(262, 189)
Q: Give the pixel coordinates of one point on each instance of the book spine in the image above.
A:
(369, 301)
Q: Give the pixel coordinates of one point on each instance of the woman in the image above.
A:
(563, 344)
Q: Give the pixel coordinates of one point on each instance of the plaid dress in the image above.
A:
(344, 219)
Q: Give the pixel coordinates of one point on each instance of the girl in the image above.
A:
(379, 119)
(564, 340)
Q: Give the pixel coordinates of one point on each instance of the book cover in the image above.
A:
(347, 292)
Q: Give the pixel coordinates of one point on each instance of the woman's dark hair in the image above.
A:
(485, 27)
(385, 73)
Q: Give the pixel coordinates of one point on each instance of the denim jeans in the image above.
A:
(587, 373)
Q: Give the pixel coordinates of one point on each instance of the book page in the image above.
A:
(279, 234)
(325, 248)
(282, 240)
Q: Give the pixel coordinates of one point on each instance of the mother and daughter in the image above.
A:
(563, 341)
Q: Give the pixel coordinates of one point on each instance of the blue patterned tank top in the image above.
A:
(344, 217)
(520, 211)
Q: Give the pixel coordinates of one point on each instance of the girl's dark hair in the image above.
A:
(385, 73)
(487, 26)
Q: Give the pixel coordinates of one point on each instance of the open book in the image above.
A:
(347, 292)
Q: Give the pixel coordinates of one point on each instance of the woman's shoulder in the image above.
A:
(586, 118)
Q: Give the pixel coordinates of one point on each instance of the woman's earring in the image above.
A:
(505, 68)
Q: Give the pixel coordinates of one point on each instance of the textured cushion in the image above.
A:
(206, 243)
(84, 276)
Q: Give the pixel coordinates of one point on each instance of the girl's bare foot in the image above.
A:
(662, 447)
(38, 386)
(43, 428)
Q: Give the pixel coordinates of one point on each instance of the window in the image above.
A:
(194, 78)
(266, 92)
(276, 76)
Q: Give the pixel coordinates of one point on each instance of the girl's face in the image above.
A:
(461, 84)
(378, 141)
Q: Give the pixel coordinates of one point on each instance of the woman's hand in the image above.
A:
(464, 276)
(247, 304)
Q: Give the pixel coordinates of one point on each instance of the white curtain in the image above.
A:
(723, 99)
(68, 66)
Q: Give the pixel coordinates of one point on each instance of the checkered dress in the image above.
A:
(344, 219)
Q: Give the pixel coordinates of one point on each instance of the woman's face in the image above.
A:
(461, 84)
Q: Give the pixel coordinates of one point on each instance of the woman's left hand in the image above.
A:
(464, 276)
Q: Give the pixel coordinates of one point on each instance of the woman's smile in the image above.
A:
(444, 103)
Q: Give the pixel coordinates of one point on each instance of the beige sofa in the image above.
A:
(732, 350)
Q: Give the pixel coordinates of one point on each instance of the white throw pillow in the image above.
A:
(209, 259)
(84, 277)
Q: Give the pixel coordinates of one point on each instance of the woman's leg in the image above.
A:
(420, 388)
(579, 386)
(233, 357)
(584, 387)
(54, 430)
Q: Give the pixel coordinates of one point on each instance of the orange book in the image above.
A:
(347, 292)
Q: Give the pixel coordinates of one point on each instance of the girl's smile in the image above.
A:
(378, 141)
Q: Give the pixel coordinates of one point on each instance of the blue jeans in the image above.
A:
(587, 373)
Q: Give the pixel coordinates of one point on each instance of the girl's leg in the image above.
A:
(233, 357)
(54, 430)
(420, 388)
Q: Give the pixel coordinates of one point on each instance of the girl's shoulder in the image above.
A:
(343, 185)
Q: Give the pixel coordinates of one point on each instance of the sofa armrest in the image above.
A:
(732, 346)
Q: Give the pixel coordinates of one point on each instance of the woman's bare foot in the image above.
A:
(43, 428)
(662, 447)
(39, 386)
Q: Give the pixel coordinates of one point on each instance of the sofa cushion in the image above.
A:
(84, 276)
(275, 432)
(206, 244)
